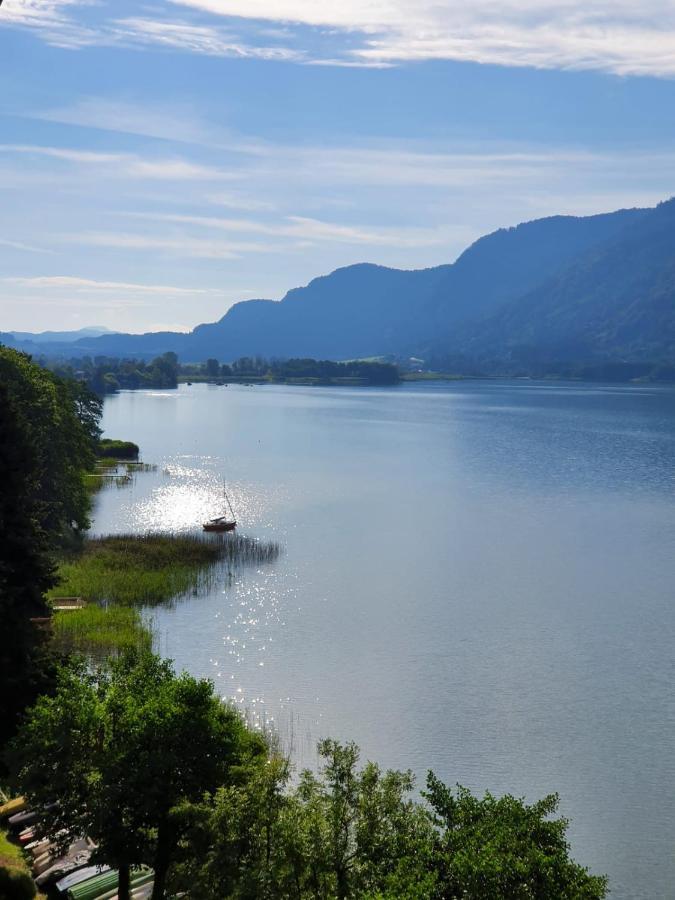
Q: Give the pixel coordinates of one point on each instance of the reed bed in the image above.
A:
(147, 569)
(98, 631)
(110, 472)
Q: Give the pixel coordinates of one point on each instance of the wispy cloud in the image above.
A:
(60, 23)
(206, 39)
(89, 285)
(51, 19)
(175, 123)
(19, 245)
(179, 245)
(619, 36)
(125, 164)
(309, 230)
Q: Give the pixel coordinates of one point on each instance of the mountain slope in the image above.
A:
(616, 301)
(368, 310)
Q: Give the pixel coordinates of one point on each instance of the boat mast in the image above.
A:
(227, 499)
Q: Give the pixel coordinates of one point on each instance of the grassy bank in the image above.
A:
(133, 569)
(99, 631)
(15, 877)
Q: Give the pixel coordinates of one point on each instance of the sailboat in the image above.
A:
(222, 523)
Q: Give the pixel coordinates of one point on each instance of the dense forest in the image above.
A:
(173, 787)
(288, 371)
(106, 375)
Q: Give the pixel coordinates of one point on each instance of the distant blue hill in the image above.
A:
(61, 337)
(596, 287)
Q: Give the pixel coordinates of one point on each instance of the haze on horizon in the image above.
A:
(158, 164)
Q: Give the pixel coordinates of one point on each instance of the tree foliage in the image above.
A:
(60, 422)
(108, 374)
(26, 572)
(117, 753)
(357, 833)
(48, 430)
(502, 847)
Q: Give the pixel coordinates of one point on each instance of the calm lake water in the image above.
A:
(476, 578)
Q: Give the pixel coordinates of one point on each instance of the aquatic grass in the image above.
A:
(96, 481)
(107, 462)
(109, 472)
(146, 569)
(99, 631)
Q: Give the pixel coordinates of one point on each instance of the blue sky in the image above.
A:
(160, 161)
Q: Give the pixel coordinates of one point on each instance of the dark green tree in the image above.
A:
(60, 421)
(212, 368)
(26, 572)
(123, 751)
(493, 848)
(346, 832)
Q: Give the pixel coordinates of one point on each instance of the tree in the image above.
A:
(342, 833)
(212, 368)
(369, 824)
(60, 422)
(503, 848)
(26, 572)
(123, 751)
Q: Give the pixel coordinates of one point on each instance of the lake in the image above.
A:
(476, 577)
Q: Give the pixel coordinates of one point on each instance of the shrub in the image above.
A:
(118, 449)
(16, 885)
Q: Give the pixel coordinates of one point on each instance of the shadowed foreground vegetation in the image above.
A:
(146, 569)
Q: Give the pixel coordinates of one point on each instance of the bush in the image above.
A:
(16, 885)
(118, 449)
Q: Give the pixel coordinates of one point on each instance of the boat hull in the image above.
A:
(219, 526)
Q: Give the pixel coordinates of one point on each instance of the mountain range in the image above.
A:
(595, 289)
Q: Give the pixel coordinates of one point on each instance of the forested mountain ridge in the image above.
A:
(615, 302)
(564, 287)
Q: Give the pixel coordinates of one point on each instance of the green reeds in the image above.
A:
(146, 569)
(110, 472)
(98, 631)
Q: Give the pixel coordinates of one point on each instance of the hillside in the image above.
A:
(614, 302)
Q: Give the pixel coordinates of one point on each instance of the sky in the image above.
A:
(161, 161)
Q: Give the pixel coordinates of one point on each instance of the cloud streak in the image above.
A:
(125, 164)
(88, 285)
(19, 245)
(310, 230)
(205, 39)
(173, 246)
(620, 36)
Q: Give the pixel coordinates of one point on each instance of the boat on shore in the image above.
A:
(222, 523)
